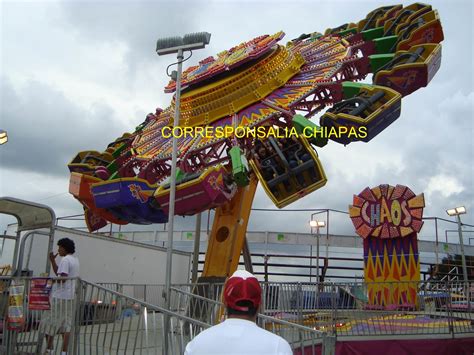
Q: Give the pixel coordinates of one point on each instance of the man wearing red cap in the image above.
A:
(239, 334)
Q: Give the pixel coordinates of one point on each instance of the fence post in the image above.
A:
(263, 303)
(329, 344)
(299, 303)
(468, 295)
(334, 309)
(449, 309)
(211, 287)
(77, 318)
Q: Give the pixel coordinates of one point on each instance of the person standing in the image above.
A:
(239, 333)
(59, 318)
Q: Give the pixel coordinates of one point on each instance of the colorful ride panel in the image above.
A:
(388, 218)
(268, 91)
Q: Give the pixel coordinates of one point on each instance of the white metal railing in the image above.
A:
(344, 309)
(102, 321)
(302, 339)
(448, 277)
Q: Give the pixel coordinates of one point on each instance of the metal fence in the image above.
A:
(98, 320)
(344, 309)
(151, 293)
(302, 339)
(202, 302)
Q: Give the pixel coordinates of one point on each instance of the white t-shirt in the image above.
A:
(237, 337)
(65, 290)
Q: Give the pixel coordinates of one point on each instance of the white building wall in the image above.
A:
(106, 259)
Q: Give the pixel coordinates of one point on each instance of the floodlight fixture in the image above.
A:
(456, 211)
(317, 224)
(451, 212)
(190, 41)
(3, 137)
(198, 37)
(168, 46)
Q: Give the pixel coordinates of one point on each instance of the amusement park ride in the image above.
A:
(270, 91)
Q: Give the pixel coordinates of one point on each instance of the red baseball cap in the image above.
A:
(242, 286)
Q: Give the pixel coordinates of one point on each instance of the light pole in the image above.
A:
(457, 212)
(165, 46)
(3, 137)
(317, 224)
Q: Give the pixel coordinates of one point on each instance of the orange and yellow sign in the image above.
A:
(387, 212)
(388, 218)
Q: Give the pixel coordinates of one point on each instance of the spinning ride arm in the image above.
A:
(273, 90)
(227, 236)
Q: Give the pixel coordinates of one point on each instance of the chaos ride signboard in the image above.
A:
(388, 218)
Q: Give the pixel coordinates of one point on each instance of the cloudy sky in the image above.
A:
(77, 74)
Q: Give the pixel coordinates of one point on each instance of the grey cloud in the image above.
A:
(46, 129)
(444, 142)
(433, 135)
(136, 24)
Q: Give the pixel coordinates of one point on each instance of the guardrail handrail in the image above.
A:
(148, 305)
(454, 270)
(344, 308)
(260, 315)
(101, 321)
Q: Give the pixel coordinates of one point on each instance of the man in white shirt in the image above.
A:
(239, 334)
(59, 318)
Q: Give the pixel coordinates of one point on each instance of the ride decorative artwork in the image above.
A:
(388, 218)
(256, 100)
